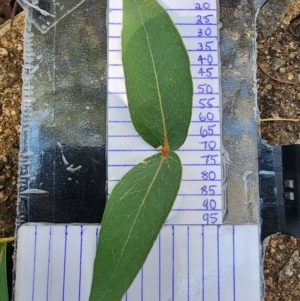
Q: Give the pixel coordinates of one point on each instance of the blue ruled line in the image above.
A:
(233, 261)
(97, 236)
(174, 9)
(154, 150)
(48, 267)
(218, 259)
(194, 65)
(132, 165)
(184, 37)
(173, 262)
(80, 264)
(65, 263)
(195, 209)
(123, 93)
(180, 24)
(159, 267)
(193, 194)
(188, 263)
(184, 180)
(185, 225)
(142, 284)
(188, 50)
(190, 135)
(34, 263)
(203, 263)
(193, 121)
(194, 77)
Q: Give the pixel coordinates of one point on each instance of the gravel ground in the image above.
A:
(11, 60)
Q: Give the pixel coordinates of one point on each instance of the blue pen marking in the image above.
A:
(34, 263)
(80, 263)
(65, 263)
(48, 264)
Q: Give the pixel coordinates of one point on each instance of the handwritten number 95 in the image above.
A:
(210, 218)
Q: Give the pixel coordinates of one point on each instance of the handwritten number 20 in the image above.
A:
(205, 5)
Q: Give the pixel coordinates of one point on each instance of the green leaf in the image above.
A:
(157, 74)
(3, 279)
(134, 215)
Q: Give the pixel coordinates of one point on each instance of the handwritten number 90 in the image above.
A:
(209, 204)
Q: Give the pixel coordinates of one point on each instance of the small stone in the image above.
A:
(19, 47)
(13, 112)
(281, 247)
(276, 64)
(269, 281)
(3, 197)
(289, 269)
(273, 243)
(3, 52)
(268, 87)
(282, 70)
(291, 45)
(290, 128)
(4, 159)
(293, 54)
(290, 76)
(2, 179)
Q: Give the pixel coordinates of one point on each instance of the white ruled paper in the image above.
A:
(194, 258)
(187, 263)
(199, 199)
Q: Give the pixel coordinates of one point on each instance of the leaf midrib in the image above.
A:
(136, 217)
(166, 141)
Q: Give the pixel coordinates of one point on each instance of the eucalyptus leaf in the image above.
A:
(134, 215)
(3, 279)
(157, 74)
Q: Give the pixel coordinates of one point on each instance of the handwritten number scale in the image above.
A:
(200, 199)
